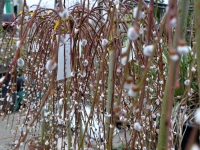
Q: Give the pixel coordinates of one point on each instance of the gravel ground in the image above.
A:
(7, 138)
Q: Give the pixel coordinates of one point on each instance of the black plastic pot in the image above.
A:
(186, 137)
(187, 130)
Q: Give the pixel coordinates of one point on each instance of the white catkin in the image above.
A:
(137, 126)
(132, 33)
(197, 116)
(49, 66)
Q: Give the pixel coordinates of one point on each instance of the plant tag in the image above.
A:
(64, 58)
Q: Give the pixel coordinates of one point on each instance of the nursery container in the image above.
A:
(186, 137)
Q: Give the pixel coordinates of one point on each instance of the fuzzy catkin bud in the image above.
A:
(137, 126)
(195, 147)
(20, 62)
(133, 91)
(187, 82)
(148, 50)
(76, 30)
(174, 57)
(197, 116)
(47, 142)
(182, 49)
(133, 33)
(173, 22)
(193, 69)
(140, 15)
(2, 79)
(116, 2)
(104, 42)
(63, 14)
(18, 44)
(84, 42)
(85, 62)
(50, 65)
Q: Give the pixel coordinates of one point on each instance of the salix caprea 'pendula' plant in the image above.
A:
(90, 65)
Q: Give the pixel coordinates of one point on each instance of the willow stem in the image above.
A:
(165, 122)
(109, 97)
(69, 134)
(197, 37)
(42, 127)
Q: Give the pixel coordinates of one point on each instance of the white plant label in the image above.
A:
(64, 58)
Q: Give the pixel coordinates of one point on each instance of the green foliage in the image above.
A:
(186, 63)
